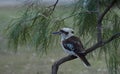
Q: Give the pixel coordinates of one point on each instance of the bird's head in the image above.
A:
(65, 32)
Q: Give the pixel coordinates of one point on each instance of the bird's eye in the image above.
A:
(72, 32)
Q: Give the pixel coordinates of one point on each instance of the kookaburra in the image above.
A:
(72, 44)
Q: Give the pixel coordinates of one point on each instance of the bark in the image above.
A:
(56, 65)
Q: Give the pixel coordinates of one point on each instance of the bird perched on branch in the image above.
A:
(72, 44)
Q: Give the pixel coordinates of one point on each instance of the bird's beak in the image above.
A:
(57, 33)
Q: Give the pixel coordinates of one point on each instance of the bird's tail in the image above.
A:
(85, 61)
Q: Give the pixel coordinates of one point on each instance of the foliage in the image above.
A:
(34, 26)
(38, 21)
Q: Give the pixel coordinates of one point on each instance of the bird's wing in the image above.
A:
(71, 47)
(73, 44)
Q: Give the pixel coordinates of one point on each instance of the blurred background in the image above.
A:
(26, 60)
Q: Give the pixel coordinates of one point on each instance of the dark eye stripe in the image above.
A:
(64, 32)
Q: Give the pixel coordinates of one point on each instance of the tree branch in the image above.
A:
(100, 18)
(99, 25)
(56, 65)
(100, 44)
(55, 5)
(105, 11)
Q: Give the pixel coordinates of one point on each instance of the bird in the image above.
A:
(72, 44)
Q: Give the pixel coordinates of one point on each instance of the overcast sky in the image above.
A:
(12, 2)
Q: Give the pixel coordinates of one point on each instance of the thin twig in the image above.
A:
(55, 5)
(52, 7)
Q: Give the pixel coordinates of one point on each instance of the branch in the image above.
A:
(100, 44)
(105, 11)
(56, 65)
(99, 25)
(52, 7)
(100, 18)
(55, 5)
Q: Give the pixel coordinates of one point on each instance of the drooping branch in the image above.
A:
(100, 43)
